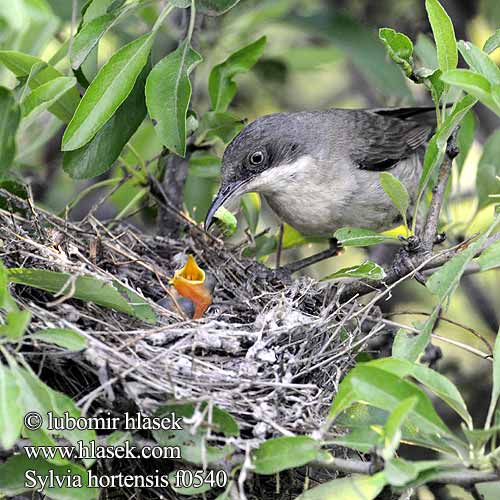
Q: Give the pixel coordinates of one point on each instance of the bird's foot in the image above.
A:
(440, 238)
(413, 243)
(334, 250)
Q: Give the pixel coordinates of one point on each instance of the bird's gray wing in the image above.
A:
(381, 139)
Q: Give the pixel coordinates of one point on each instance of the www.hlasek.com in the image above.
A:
(183, 478)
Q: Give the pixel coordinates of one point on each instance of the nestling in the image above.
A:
(319, 171)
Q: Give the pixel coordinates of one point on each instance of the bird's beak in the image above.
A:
(224, 194)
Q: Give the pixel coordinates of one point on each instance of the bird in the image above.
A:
(319, 171)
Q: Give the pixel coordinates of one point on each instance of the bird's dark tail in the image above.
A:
(404, 113)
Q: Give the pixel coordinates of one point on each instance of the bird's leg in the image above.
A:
(334, 250)
(280, 246)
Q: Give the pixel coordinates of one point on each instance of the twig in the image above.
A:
(446, 340)
(446, 320)
(176, 170)
(459, 476)
(407, 265)
(432, 221)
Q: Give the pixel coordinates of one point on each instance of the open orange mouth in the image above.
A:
(189, 281)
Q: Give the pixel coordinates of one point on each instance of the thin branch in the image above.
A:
(406, 265)
(432, 221)
(459, 476)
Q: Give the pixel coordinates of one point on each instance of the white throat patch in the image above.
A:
(276, 179)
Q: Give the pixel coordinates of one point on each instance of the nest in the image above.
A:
(270, 350)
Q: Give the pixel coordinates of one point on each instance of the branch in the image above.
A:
(459, 476)
(176, 170)
(430, 228)
(406, 265)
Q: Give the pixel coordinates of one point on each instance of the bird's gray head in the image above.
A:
(253, 157)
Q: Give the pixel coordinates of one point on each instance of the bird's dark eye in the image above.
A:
(257, 158)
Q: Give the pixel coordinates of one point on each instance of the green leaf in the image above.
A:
(141, 308)
(86, 288)
(410, 346)
(192, 441)
(392, 429)
(46, 95)
(221, 84)
(445, 280)
(479, 437)
(382, 389)
(282, 453)
(487, 171)
(363, 439)
(88, 37)
(479, 61)
(292, 238)
(224, 126)
(493, 42)
(399, 472)
(38, 397)
(101, 152)
(437, 383)
(9, 121)
(356, 237)
(489, 491)
(495, 95)
(168, 92)
(13, 478)
(368, 270)
(214, 7)
(490, 258)
(399, 47)
(227, 220)
(204, 165)
(437, 146)
(40, 437)
(465, 138)
(474, 84)
(22, 64)
(250, 204)
(436, 85)
(6, 301)
(11, 411)
(198, 488)
(16, 323)
(107, 92)
(444, 35)
(361, 416)
(355, 487)
(396, 192)
(69, 339)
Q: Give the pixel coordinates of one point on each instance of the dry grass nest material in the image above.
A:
(270, 350)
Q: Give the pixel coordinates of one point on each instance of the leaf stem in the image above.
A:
(130, 204)
(85, 192)
(191, 21)
(139, 159)
(163, 15)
